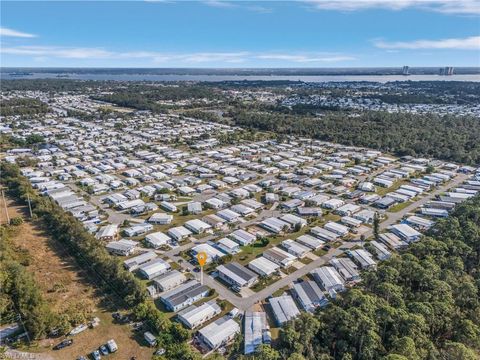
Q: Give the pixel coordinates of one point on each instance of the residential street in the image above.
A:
(247, 302)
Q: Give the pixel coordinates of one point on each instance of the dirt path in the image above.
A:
(69, 289)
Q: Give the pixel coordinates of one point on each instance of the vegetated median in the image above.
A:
(21, 294)
(451, 138)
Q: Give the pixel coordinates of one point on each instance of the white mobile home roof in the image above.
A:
(134, 262)
(179, 232)
(161, 218)
(348, 220)
(228, 215)
(154, 268)
(328, 278)
(393, 241)
(284, 308)
(194, 316)
(434, 212)
(228, 246)
(197, 226)
(274, 224)
(309, 295)
(212, 253)
(419, 221)
(405, 231)
(217, 332)
(107, 231)
(279, 256)
(238, 273)
(364, 258)
(263, 266)
(157, 239)
(324, 234)
(169, 280)
(336, 228)
(295, 248)
(347, 268)
(310, 241)
(381, 250)
(255, 325)
(243, 237)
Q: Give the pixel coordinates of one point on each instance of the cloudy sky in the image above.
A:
(219, 33)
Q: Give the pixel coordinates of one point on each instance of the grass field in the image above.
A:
(399, 207)
(382, 191)
(67, 288)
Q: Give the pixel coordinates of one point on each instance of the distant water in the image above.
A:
(215, 78)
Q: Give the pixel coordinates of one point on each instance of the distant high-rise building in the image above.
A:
(447, 70)
(405, 70)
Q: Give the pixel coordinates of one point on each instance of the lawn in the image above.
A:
(264, 282)
(250, 252)
(306, 260)
(399, 207)
(280, 291)
(382, 191)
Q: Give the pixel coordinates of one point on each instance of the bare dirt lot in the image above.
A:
(65, 286)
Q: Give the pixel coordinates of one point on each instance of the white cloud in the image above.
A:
(178, 58)
(14, 33)
(260, 9)
(464, 7)
(247, 5)
(60, 52)
(302, 58)
(469, 43)
(219, 3)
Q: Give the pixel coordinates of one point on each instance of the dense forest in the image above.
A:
(22, 107)
(146, 97)
(444, 137)
(421, 304)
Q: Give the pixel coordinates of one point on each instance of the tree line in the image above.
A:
(21, 294)
(446, 137)
(22, 107)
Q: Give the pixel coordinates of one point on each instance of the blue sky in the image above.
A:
(219, 33)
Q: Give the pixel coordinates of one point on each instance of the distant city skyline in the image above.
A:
(240, 34)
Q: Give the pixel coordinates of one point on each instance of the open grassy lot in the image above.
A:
(399, 207)
(69, 289)
(382, 191)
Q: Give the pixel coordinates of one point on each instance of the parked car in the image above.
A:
(160, 351)
(96, 355)
(103, 349)
(64, 343)
(112, 345)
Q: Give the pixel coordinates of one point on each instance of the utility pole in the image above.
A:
(29, 205)
(19, 317)
(5, 205)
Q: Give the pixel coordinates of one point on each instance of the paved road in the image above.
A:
(114, 217)
(244, 303)
(247, 302)
(262, 216)
(394, 217)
